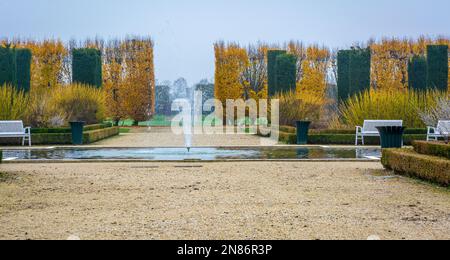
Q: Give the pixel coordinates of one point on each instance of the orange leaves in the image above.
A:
(390, 59)
(231, 61)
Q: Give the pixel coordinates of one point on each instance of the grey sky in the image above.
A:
(184, 30)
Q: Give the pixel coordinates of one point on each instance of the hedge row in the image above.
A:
(342, 139)
(293, 130)
(432, 148)
(67, 130)
(409, 163)
(65, 138)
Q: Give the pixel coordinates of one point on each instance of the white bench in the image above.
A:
(15, 129)
(370, 128)
(441, 131)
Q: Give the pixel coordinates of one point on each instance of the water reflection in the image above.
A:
(176, 154)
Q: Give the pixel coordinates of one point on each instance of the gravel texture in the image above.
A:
(295, 200)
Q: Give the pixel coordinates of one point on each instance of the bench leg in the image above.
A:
(23, 141)
(362, 138)
(29, 140)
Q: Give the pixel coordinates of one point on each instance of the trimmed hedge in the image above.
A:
(97, 135)
(272, 71)
(409, 163)
(342, 139)
(343, 82)
(417, 73)
(286, 69)
(437, 68)
(87, 67)
(432, 148)
(23, 72)
(353, 72)
(293, 130)
(63, 136)
(8, 66)
(360, 62)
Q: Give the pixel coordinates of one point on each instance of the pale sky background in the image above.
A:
(184, 30)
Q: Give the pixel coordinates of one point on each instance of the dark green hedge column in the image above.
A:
(7, 66)
(87, 67)
(353, 72)
(286, 68)
(272, 70)
(23, 62)
(359, 71)
(343, 82)
(437, 75)
(417, 73)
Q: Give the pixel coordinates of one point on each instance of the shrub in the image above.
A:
(7, 66)
(441, 111)
(87, 67)
(437, 74)
(40, 112)
(23, 62)
(13, 103)
(293, 108)
(272, 70)
(386, 105)
(286, 69)
(432, 148)
(417, 73)
(409, 163)
(353, 72)
(79, 103)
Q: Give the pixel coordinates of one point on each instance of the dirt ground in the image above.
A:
(251, 200)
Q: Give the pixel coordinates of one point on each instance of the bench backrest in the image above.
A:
(444, 127)
(371, 125)
(11, 127)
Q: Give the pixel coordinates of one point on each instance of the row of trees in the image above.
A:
(126, 70)
(244, 72)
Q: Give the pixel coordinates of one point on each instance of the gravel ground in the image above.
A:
(296, 200)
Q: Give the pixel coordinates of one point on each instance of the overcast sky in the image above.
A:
(184, 30)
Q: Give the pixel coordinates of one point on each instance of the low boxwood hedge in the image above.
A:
(100, 134)
(52, 137)
(293, 130)
(408, 162)
(432, 148)
(341, 139)
(64, 130)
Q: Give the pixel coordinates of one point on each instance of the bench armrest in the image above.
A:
(27, 130)
(359, 129)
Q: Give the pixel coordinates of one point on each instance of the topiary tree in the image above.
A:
(8, 66)
(359, 71)
(437, 67)
(272, 70)
(353, 72)
(23, 65)
(417, 73)
(343, 81)
(87, 67)
(286, 70)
